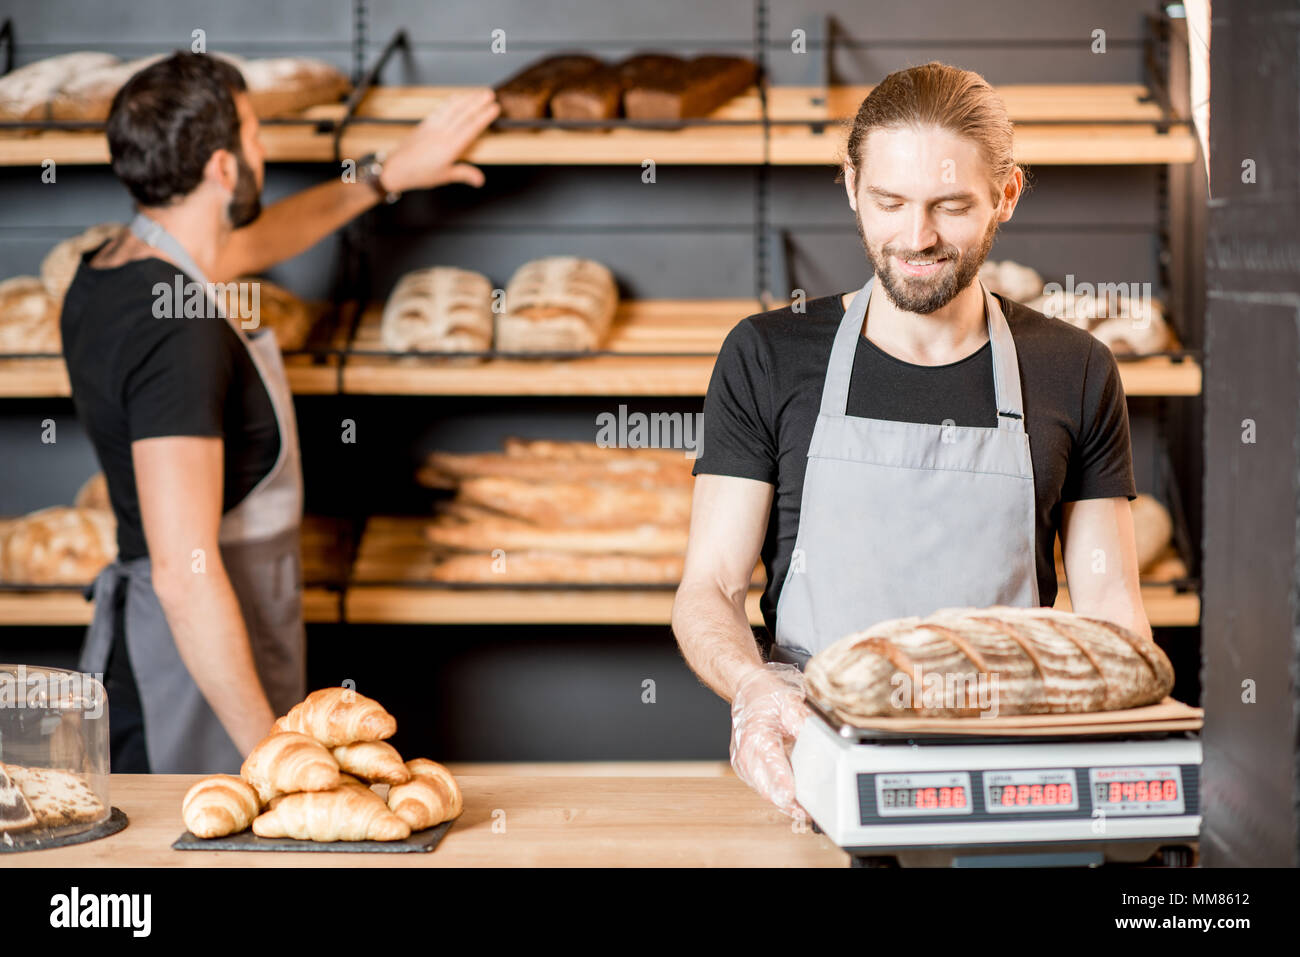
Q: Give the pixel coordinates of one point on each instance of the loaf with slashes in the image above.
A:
(557, 304)
(1044, 661)
(439, 309)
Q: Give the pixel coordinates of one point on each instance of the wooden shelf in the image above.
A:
(1105, 132)
(319, 605)
(655, 347)
(1107, 124)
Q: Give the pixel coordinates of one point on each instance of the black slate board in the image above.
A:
(421, 842)
(115, 822)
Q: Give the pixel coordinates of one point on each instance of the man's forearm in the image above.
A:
(713, 631)
(292, 225)
(208, 627)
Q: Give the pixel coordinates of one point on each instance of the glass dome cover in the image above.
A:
(54, 753)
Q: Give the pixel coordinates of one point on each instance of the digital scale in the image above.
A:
(926, 799)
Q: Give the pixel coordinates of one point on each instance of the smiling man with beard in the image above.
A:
(198, 624)
(914, 445)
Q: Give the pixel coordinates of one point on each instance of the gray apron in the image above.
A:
(259, 542)
(905, 518)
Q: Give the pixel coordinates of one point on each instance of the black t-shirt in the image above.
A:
(766, 389)
(135, 376)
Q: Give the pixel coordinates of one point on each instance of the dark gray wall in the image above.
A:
(690, 234)
(1251, 674)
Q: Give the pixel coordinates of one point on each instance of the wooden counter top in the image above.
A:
(575, 815)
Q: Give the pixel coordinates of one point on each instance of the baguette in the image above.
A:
(558, 568)
(588, 505)
(1045, 662)
(446, 469)
(219, 805)
(27, 92)
(515, 536)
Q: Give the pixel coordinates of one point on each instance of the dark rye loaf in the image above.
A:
(1046, 662)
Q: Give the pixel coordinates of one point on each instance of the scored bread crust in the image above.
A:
(557, 304)
(1045, 662)
(439, 309)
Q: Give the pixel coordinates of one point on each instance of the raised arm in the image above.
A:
(179, 480)
(1101, 565)
(425, 159)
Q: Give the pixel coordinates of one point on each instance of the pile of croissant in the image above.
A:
(310, 779)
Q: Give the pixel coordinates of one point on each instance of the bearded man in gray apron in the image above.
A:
(915, 445)
(199, 622)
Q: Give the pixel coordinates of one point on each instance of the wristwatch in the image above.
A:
(371, 168)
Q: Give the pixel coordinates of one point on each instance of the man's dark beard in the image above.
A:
(923, 296)
(246, 203)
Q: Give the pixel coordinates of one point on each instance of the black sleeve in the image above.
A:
(176, 379)
(739, 435)
(1101, 464)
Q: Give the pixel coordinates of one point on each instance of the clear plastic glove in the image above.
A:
(767, 712)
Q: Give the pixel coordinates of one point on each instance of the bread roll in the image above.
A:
(1045, 661)
(58, 546)
(61, 262)
(440, 309)
(557, 304)
(219, 805)
(346, 813)
(29, 318)
(335, 716)
(375, 761)
(285, 762)
(27, 92)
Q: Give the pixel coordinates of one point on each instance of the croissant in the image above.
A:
(372, 761)
(351, 812)
(429, 798)
(286, 761)
(219, 805)
(335, 716)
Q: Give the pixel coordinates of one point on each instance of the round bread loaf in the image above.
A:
(29, 318)
(58, 546)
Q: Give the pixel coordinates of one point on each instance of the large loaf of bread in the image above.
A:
(557, 304)
(29, 318)
(695, 89)
(527, 94)
(1044, 662)
(440, 309)
(27, 92)
(57, 546)
(288, 317)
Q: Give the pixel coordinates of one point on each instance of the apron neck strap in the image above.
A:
(156, 235)
(1006, 373)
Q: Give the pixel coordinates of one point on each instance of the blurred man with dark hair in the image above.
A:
(198, 625)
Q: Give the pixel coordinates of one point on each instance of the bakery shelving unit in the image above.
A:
(656, 347)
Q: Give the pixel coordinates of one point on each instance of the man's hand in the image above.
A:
(767, 711)
(428, 157)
